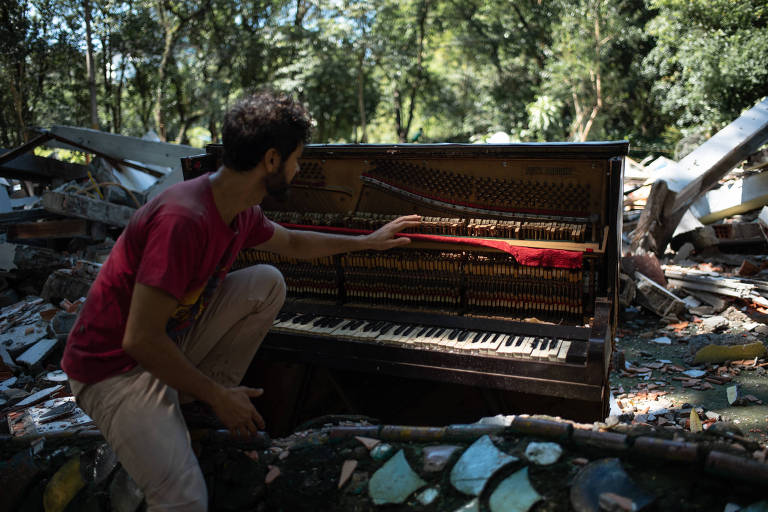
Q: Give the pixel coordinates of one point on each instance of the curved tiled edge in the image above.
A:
(714, 460)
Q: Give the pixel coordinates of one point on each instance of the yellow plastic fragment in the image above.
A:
(695, 421)
(721, 353)
(64, 485)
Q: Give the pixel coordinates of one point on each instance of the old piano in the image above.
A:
(510, 282)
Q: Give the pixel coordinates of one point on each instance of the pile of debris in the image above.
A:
(53, 213)
(696, 231)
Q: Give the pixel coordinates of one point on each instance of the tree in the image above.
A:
(708, 64)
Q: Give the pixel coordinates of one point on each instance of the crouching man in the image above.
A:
(164, 317)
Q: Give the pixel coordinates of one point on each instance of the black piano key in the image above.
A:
(431, 332)
(386, 328)
(577, 352)
(453, 334)
(334, 322)
(463, 335)
(408, 331)
(400, 330)
(439, 332)
(511, 340)
(423, 331)
(519, 343)
(477, 338)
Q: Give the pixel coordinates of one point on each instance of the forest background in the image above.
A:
(663, 74)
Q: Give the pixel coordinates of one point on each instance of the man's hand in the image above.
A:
(234, 408)
(384, 237)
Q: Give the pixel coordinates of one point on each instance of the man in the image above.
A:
(164, 317)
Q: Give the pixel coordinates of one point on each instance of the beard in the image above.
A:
(277, 184)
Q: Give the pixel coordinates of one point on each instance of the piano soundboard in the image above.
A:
(510, 281)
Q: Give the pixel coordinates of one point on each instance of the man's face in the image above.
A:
(277, 182)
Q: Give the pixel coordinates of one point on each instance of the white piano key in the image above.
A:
(563, 352)
(554, 349)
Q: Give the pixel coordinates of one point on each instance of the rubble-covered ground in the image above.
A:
(669, 415)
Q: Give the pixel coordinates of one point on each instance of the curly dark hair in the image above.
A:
(260, 121)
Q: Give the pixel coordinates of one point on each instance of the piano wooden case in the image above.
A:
(510, 283)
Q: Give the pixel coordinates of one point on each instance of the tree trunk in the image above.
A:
(89, 66)
(360, 97)
(170, 39)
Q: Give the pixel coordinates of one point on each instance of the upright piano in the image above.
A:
(509, 283)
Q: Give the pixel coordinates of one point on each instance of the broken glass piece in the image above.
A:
(514, 494)
(472, 506)
(382, 451)
(436, 457)
(605, 476)
(394, 481)
(427, 496)
(477, 465)
(543, 454)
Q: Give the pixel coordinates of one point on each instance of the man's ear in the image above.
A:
(272, 160)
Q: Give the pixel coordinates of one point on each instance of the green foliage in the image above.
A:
(651, 71)
(708, 63)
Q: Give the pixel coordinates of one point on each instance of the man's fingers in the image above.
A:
(259, 420)
(397, 242)
(254, 392)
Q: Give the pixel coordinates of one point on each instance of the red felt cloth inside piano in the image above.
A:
(529, 256)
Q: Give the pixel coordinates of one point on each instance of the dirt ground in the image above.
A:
(638, 329)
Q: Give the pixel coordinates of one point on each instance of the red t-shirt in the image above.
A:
(178, 243)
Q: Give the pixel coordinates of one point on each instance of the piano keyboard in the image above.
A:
(436, 338)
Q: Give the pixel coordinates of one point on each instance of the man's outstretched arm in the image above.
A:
(312, 244)
(146, 341)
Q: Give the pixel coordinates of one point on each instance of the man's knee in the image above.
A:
(272, 279)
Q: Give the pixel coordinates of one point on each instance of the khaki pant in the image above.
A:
(140, 416)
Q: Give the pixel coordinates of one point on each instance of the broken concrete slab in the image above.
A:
(732, 198)
(36, 354)
(76, 205)
(39, 396)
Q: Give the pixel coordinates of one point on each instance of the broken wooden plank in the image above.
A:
(126, 148)
(656, 298)
(41, 169)
(24, 148)
(35, 354)
(25, 216)
(64, 228)
(75, 205)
